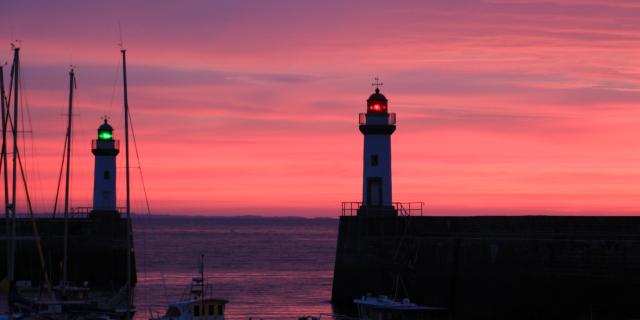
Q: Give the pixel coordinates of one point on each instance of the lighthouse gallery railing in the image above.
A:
(404, 208)
(391, 120)
(116, 143)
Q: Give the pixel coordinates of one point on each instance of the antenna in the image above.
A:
(15, 43)
(121, 43)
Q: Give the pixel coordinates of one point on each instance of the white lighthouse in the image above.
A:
(105, 149)
(377, 125)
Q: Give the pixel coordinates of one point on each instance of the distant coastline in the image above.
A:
(239, 217)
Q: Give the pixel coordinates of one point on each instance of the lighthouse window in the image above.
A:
(211, 310)
(374, 160)
(107, 175)
(196, 311)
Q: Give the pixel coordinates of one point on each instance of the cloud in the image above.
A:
(259, 100)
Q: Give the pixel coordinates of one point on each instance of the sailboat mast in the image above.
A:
(4, 163)
(128, 200)
(65, 261)
(12, 205)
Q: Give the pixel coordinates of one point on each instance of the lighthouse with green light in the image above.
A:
(105, 149)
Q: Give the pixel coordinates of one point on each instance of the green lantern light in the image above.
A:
(105, 135)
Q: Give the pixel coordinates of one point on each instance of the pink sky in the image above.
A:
(250, 107)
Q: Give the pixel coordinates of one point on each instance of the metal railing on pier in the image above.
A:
(405, 209)
(409, 208)
(81, 212)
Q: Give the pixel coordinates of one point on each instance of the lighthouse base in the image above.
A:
(104, 214)
(377, 211)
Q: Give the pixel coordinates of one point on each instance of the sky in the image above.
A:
(251, 107)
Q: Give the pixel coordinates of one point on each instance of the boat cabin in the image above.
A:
(205, 309)
(383, 308)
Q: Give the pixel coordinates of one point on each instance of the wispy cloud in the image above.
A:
(507, 105)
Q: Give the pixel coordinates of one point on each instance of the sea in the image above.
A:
(267, 268)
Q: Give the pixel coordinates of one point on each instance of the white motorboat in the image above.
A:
(384, 308)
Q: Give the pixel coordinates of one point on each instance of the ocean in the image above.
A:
(268, 268)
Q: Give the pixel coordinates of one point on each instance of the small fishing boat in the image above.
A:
(384, 308)
(197, 302)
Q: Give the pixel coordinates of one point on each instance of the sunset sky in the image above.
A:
(251, 107)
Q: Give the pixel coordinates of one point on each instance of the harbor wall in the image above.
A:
(494, 267)
(97, 251)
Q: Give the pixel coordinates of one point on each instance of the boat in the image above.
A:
(64, 301)
(384, 308)
(197, 302)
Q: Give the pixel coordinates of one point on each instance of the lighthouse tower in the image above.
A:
(377, 125)
(105, 150)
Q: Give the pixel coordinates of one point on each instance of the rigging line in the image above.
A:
(74, 140)
(115, 86)
(30, 159)
(62, 163)
(135, 146)
(35, 229)
(10, 91)
(146, 198)
(35, 172)
(3, 102)
(22, 116)
(32, 216)
(14, 146)
(127, 181)
(65, 260)
(4, 163)
(397, 283)
(64, 153)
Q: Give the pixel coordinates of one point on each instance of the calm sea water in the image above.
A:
(270, 268)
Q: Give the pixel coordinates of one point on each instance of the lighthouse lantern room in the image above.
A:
(105, 149)
(377, 125)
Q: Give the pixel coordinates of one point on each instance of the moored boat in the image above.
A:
(43, 300)
(384, 308)
(198, 302)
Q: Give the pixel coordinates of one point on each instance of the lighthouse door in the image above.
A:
(374, 192)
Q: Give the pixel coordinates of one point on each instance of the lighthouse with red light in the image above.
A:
(105, 149)
(377, 125)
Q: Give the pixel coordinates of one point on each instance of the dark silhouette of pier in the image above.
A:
(494, 267)
(97, 251)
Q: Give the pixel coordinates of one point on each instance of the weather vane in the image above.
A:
(377, 83)
(106, 118)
